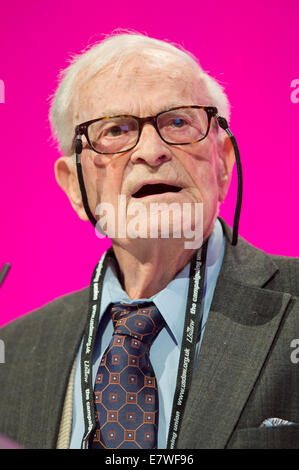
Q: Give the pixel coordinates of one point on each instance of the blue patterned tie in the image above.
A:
(125, 393)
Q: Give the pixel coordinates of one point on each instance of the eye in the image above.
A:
(178, 123)
(116, 131)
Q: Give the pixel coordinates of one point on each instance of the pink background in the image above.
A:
(251, 47)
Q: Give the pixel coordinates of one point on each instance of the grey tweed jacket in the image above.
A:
(245, 372)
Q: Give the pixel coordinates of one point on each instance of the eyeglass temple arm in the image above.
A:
(224, 125)
(78, 144)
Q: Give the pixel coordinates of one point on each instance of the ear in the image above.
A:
(226, 163)
(66, 177)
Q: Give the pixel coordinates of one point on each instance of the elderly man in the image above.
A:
(184, 338)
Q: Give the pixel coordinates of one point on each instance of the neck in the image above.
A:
(146, 267)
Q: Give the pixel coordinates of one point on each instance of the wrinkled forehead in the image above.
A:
(154, 81)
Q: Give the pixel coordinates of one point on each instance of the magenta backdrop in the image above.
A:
(251, 47)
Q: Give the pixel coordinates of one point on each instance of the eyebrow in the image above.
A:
(117, 112)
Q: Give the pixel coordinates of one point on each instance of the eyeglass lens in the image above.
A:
(118, 134)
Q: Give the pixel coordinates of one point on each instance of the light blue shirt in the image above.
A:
(165, 350)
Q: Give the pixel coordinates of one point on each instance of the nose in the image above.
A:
(151, 149)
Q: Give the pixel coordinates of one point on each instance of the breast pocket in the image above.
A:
(274, 437)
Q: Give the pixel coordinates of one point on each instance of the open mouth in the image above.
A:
(160, 188)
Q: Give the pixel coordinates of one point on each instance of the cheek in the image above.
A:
(203, 174)
(108, 176)
(200, 165)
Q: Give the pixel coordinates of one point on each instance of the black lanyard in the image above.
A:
(188, 347)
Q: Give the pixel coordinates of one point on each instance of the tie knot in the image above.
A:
(141, 321)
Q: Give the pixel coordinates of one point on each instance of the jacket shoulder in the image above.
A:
(67, 308)
(250, 265)
(40, 349)
(286, 279)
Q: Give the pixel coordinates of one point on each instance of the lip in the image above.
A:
(149, 182)
(167, 197)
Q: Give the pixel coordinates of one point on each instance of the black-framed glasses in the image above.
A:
(179, 122)
(181, 125)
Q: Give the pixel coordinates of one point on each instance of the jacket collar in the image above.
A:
(241, 327)
(244, 262)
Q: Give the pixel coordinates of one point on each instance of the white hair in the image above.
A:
(113, 50)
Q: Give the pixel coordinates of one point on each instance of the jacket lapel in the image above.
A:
(54, 361)
(241, 327)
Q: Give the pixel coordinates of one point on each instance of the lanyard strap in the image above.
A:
(186, 361)
(95, 294)
(189, 341)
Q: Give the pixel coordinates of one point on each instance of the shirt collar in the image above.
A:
(171, 301)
